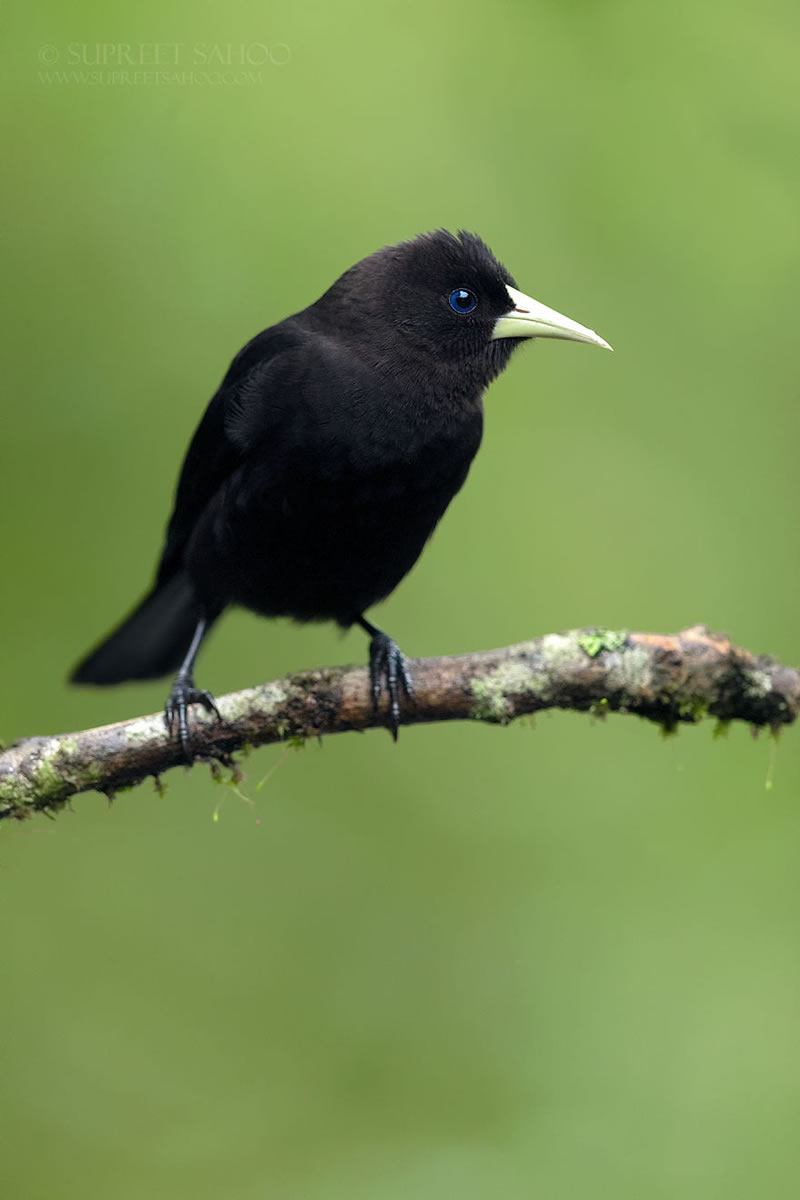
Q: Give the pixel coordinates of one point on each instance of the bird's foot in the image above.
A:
(176, 710)
(387, 665)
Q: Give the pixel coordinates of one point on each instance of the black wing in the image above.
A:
(246, 406)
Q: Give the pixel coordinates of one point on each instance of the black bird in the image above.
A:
(323, 463)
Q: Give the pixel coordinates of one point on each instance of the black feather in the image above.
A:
(323, 463)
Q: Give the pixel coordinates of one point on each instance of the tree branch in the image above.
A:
(665, 678)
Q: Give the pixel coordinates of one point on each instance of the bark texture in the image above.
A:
(666, 678)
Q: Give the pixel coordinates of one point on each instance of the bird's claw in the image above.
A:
(387, 665)
(176, 711)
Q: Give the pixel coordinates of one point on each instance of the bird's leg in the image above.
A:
(184, 693)
(387, 665)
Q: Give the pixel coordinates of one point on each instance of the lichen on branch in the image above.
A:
(666, 678)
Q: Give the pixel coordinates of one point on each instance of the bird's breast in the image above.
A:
(343, 519)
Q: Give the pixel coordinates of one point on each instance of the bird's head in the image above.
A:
(446, 294)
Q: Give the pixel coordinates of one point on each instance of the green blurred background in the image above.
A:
(558, 962)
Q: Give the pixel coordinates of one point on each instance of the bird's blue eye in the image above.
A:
(462, 301)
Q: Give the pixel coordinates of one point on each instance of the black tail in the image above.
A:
(151, 642)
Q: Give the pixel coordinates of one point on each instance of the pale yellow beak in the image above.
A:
(529, 319)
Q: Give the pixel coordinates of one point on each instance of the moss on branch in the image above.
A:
(670, 679)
